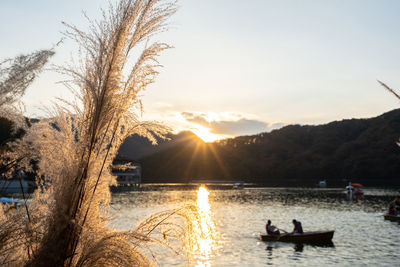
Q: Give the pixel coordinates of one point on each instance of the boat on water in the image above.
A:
(238, 185)
(7, 200)
(393, 218)
(354, 191)
(322, 184)
(317, 237)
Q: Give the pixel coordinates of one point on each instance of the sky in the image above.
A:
(238, 67)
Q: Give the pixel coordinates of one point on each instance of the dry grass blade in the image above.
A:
(389, 89)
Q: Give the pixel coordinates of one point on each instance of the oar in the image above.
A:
(283, 231)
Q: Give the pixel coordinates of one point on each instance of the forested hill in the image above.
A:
(362, 150)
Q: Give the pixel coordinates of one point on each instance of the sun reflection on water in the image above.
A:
(205, 230)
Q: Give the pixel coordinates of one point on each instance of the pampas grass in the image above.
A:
(67, 221)
(392, 91)
(16, 74)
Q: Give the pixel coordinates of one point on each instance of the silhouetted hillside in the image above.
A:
(136, 147)
(362, 150)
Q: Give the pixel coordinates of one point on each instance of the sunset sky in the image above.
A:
(239, 67)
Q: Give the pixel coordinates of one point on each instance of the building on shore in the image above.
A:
(129, 176)
(17, 185)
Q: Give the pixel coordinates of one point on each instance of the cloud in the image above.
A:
(237, 125)
(223, 124)
(196, 118)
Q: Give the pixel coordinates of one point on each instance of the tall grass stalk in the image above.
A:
(16, 74)
(68, 218)
(392, 91)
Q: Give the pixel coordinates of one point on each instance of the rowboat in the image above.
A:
(306, 237)
(393, 218)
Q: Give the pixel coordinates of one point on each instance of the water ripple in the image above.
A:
(361, 237)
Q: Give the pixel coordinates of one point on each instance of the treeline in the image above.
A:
(362, 150)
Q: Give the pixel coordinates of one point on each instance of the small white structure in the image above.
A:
(129, 176)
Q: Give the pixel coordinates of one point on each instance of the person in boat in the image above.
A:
(394, 206)
(397, 204)
(272, 229)
(297, 227)
(392, 210)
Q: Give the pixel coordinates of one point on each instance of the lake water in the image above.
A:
(362, 237)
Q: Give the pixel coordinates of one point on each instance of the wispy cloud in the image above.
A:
(232, 124)
(217, 124)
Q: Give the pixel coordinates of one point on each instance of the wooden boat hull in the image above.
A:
(318, 237)
(393, 218)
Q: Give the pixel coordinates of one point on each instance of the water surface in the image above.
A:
(361, 237)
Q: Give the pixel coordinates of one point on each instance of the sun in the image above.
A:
(205, 134)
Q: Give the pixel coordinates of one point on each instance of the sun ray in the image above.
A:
(192, 158)
(220, 163)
